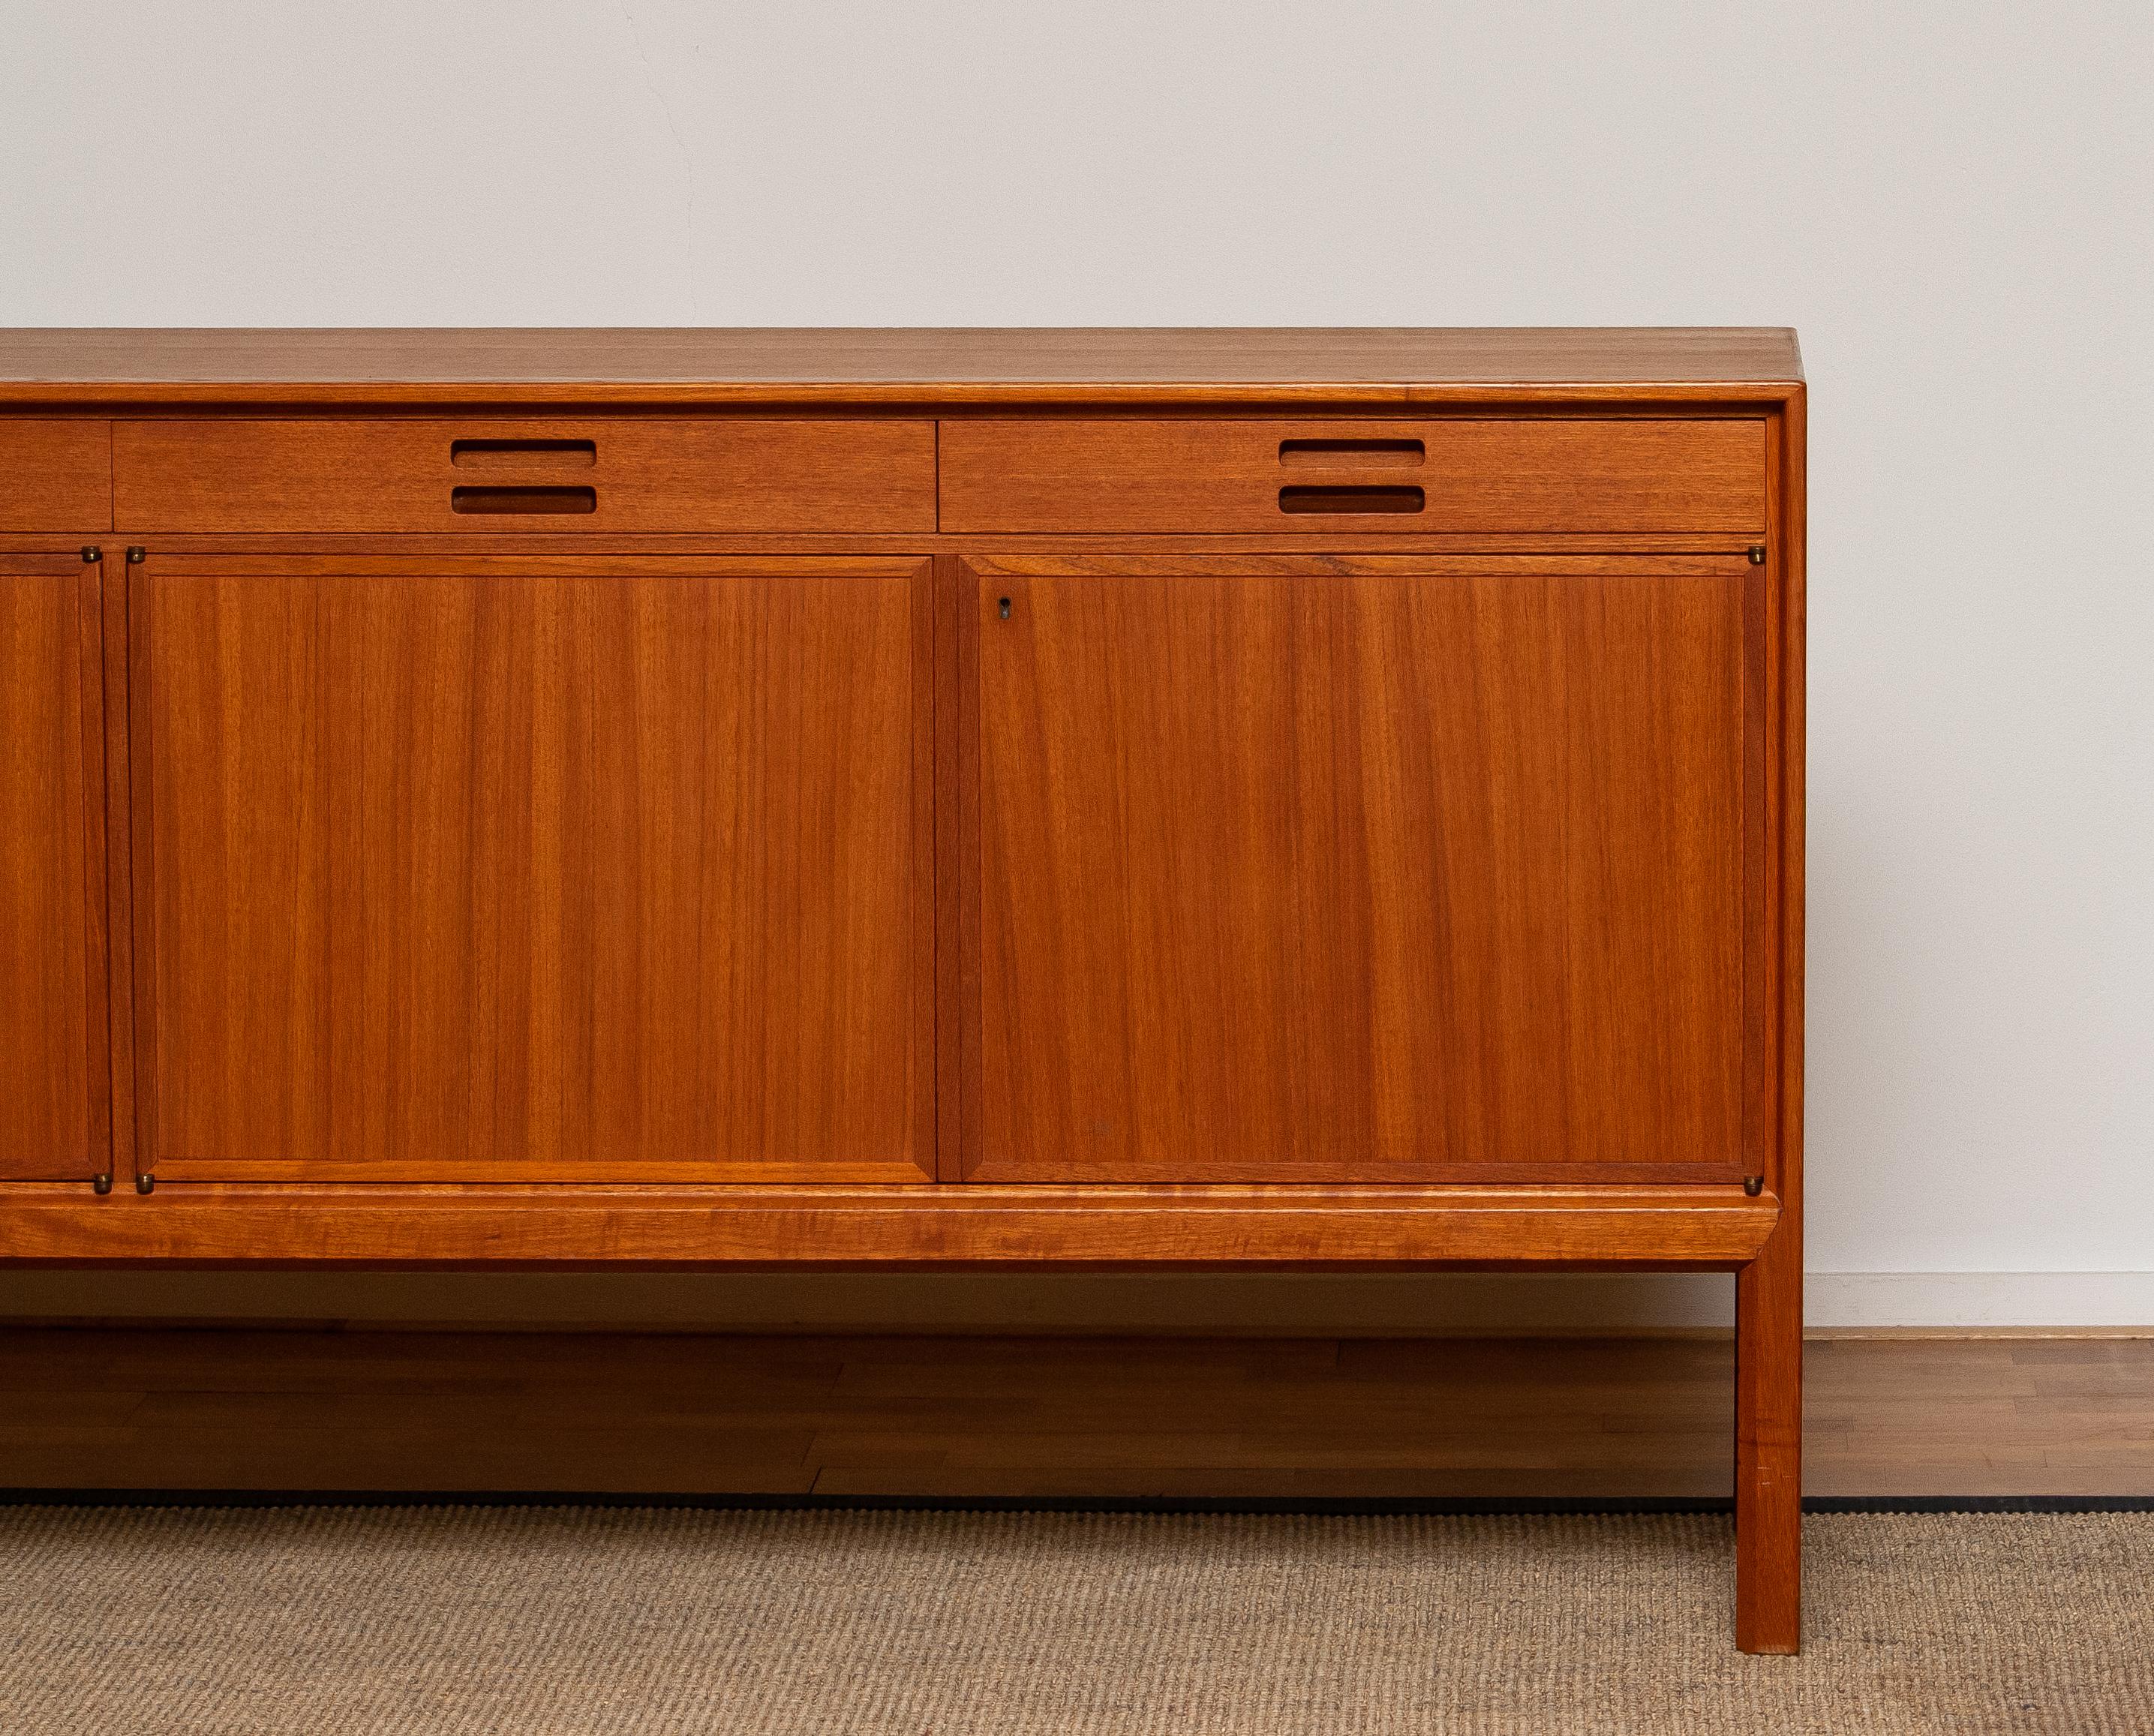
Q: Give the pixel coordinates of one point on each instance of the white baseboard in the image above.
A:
(1979, 1298)
(1403, 1305)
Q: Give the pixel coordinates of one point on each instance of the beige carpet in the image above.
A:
(528, 1621)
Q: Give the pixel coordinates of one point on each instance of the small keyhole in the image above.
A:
(1004, 606)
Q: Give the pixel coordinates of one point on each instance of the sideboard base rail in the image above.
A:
(1713, 1228)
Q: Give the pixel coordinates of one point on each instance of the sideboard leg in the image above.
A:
(1768, 1447)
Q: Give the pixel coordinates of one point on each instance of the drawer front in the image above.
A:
(1517, 476)
(641, 475)
(55, 474)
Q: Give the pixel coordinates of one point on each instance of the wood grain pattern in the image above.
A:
(55, 473)
(1788, 766)
(1389, 874)
(523, 540)
(532, 872)
(54, 1101)
(1769, 1445)
(1541, 476)
(647, 474)
(956, 365)
(119, 864)
(1769, 1350)
(838, 1225)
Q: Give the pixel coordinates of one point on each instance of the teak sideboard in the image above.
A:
(846, 799)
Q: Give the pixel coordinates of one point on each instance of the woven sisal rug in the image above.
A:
(530, 1621)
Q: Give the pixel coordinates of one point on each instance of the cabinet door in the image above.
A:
(1377, 869)
(523, 870)
(54, 1080)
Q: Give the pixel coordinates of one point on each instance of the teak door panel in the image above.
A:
(1375, 870)
(54, 1082)
(531, 869)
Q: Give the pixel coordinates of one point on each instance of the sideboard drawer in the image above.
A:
(1515, 476)
(644, 474)
(55, 473)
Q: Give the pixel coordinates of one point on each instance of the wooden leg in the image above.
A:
(1768, 1447)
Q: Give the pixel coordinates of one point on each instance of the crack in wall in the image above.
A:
(687, 162)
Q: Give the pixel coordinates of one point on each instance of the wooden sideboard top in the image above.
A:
(884, 365)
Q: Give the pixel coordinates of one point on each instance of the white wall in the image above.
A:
(1951, 202)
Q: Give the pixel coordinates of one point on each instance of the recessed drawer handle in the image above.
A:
(518, 454)
(504, 499)
(1319, 497)
(1358, 453)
